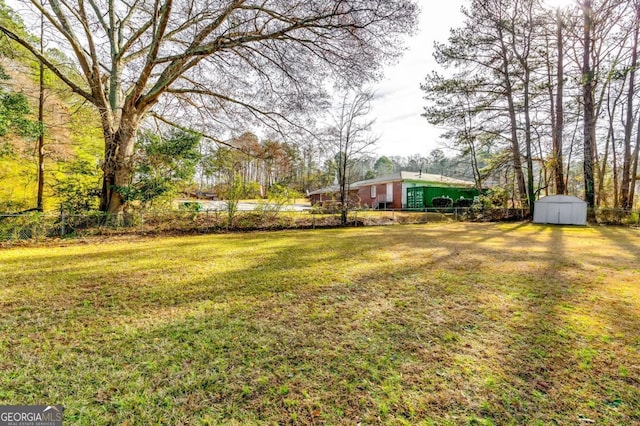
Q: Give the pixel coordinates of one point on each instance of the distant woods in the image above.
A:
(261, 164)
(547, 98)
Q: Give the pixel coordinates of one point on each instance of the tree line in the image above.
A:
(534, 100)
(539, 91)
(258, 164)
(210, 67)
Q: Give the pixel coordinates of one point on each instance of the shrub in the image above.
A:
(463, 202)
(78, 186)
(163, 162)
(442, 202)
(192, 206)
(633, 218)
(495, 198)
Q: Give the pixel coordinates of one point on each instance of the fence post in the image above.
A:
(62, 224)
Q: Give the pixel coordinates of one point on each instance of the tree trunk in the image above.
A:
(627, 159)
(517, 160)
(610, 143)
(477, 176)
(524, 62)
(40, 194)
(117, 168)
(589, 108)
(515, 145)
(634, 168)
(602, 171)
(531, 191)
(615, 171)
(344, 189)
(558, 129)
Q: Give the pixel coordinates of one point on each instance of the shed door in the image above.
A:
(390, 193)
(559, 213)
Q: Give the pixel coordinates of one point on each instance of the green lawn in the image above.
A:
(460, 324)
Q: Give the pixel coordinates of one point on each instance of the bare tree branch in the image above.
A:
(267, 61)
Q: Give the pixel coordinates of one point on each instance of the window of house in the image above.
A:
(373, 191)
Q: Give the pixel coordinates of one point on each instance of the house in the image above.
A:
(331, 195)
(399, 191)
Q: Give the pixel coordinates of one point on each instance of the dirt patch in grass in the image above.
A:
(423, 324)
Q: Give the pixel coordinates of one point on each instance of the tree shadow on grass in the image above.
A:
(559, 363)
(116, 352)
(455, 333)
(627, 239)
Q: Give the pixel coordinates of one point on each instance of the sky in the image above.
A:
(399, 100)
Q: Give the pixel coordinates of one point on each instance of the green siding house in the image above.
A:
(400, 190)
(420, 197)
(411, 190)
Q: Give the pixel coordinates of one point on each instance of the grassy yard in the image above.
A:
(447, 324)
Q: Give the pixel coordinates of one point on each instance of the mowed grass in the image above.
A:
(447, 324)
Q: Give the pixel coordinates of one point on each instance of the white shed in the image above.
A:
(560, 210)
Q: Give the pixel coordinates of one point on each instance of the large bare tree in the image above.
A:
(210, 64)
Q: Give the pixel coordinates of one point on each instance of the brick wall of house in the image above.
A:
(332, 198)
(381, 191)
(365, 196)
(397, 195)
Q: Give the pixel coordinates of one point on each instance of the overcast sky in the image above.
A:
(399, 102)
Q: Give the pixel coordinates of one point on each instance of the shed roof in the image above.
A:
(560, 199)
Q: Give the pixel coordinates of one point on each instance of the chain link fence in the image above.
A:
(36, 226)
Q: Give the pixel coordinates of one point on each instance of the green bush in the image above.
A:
(163, 162)
(633, 218)
(78, 186)
(496, 197)
(191, 206)
(463, 202)
(442, 202)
